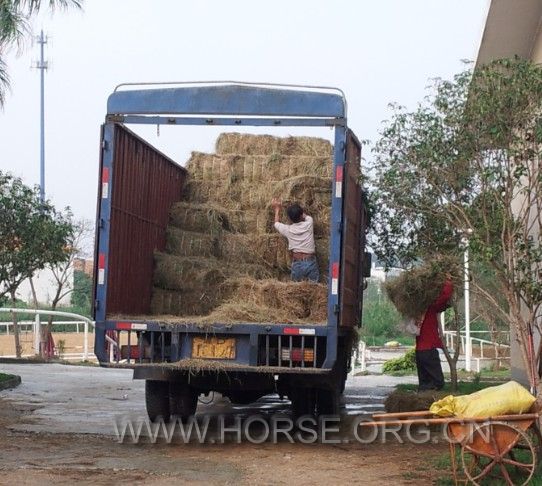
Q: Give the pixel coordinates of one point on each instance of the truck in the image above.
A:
(137, 186)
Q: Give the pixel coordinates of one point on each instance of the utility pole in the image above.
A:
(466, 274)
(42, 65)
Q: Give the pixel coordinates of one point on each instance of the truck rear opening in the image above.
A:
(170, 301)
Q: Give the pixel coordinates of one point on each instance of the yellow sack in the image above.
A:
(509, 398)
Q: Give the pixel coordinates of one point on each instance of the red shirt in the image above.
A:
(429, 337)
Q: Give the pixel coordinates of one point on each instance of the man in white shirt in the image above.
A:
(300, 235)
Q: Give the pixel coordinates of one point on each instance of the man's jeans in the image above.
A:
(305, 270)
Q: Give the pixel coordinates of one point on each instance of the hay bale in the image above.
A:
(187, 273)
(258, 169)
(249, 144)
(197, 217)
(183, 303)
(233, 312)
(251, 270)
(312, 192)
(416, 289)
(322, 256)
(211, 167)
(190, 243)
(268, 249)
(273, 301)
(253, 221)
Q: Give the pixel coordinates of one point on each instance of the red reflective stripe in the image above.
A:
(335, 270)
(105, 174)
(290, 330)
(101, 260)
(124, 325)
(339, 173)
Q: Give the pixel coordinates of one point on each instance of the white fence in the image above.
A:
(81, 324)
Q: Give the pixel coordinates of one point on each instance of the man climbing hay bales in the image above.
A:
(300, 235)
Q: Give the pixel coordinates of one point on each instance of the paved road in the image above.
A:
(87, 400)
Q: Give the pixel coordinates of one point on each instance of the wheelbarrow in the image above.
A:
(488, 449)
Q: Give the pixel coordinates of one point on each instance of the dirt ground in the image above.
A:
(73, 342)
(31, 459)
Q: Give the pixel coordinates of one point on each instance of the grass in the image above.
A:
(406, 398)
(463, 387)
(497, 375)
(5, 377)
(443, 463)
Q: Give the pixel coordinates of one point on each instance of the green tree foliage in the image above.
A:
(466, 162)
(32, 235)
(15, 17)
(82, 290)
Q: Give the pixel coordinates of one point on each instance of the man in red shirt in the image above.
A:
(430, 375)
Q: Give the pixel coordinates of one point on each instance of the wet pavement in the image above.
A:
(88, 400)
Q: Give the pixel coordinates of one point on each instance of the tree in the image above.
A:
(64, 273)
(466, 164)
(32, 235)
(15, 16)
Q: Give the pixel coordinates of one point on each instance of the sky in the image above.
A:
(377, 51)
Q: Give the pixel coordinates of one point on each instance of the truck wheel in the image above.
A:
(328, 401)
(303, 401)
(244, 397)
(183, 400)
(157, 399)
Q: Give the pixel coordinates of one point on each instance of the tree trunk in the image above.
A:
(33, 290)
(452, 359)
(16, 336)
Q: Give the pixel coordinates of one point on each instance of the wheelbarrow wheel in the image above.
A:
(498, 450)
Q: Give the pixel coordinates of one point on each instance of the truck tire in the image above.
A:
(303, 401)
(328, 401)
(244, 397)
(183, 400)
(157, 399)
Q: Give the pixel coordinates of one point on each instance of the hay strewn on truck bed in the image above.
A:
(224, 262)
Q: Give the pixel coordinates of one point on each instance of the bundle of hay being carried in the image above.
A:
(416, 289)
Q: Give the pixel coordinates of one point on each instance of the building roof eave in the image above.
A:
(510, 30)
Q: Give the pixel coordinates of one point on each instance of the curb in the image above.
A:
(12, 382)
(22, 361)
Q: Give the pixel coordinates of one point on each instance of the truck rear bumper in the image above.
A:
(243, 348)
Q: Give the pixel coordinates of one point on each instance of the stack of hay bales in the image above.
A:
(224, 262)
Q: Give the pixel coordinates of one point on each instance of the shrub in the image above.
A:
(407, 362)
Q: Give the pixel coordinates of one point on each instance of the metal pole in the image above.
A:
(42, 66)
(468, 344)
(37, 331)
(85, 342)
